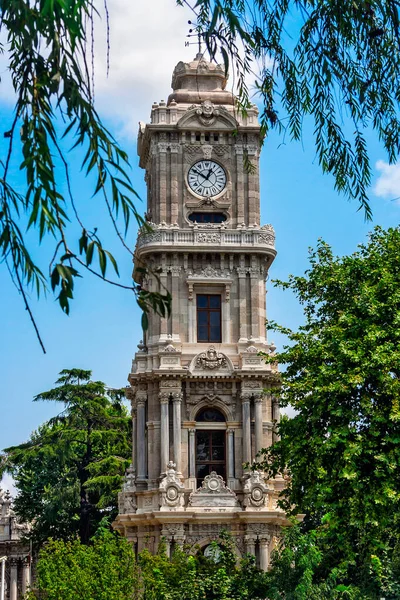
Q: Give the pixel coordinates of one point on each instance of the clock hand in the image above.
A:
(199, 173)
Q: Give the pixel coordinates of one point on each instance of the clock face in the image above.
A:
(207, 178)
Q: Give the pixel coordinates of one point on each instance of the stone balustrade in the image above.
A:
(262, 239)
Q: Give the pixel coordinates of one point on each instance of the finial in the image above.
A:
(199, 55)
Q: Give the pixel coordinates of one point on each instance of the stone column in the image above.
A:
(240, 195)
(246, 428)
(167, 540)
(13, 579)
(26, 574)
(3, 577)
(162, 288)
(258, 418)
(226, 332)
(264, 555)
(177, 428)
(275, 417)
(141, 398)
(164, 406)
(242, 272)
(255, 299)
(192, 453)
(175, 315)
(134, 439)
(231, 454)
(191, 315)
(250, 544)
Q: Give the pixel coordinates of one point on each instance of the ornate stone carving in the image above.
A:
(169, 348)
(207, 151)
(255, 491)
(220, 149)
(207, 113)
(129, 484)
(170, 383)
(213, 493)
(251, 349)
(261, 530)
(173, 529)
(209, 238)
(127, 503)
(211, 359)
(149, 238)
(163, 397)
(171, 489)
(250, 384)
(267, 234)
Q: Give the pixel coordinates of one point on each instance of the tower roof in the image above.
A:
(200, 80)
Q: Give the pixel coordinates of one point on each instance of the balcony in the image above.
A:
(209, 237)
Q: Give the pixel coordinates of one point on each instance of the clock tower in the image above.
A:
(199, 388)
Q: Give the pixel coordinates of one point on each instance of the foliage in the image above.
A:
(342, 447)
(70, 570)
(188, 577)
(50, 53)
(106, 569)
(333, 61)
(69, 473)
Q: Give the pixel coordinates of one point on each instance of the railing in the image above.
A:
(212, 236)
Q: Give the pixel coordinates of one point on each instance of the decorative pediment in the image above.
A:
(213, 493)
(207, 115)
(211, 361)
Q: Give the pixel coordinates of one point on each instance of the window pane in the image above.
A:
(215, 318)
(215, 334)
(202, 471)
(218, 453)
(215, 301)
(211, 415)
(218, 438)
(219, 469)
(202, 301)
(202, 334)
(202, 447)
(202, 317)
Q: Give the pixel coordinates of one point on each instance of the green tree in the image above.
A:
(105, 570)
(336, 62)
(48, 44)
(69, 473)
(342, 447)
(333, 61)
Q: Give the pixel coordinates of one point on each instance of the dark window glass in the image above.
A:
(208, 318)
(211, 415)
(216, 137)
(210, 452)
(198, 217)
(197, 137)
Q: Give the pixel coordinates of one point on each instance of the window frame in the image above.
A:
(210, 463)
(208, 310)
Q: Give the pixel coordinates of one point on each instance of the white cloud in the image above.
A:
(388, 183)
(7, 483)
(147, 40)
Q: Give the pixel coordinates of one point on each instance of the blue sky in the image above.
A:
(103, 328)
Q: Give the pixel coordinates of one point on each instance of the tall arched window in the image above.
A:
(210, 444)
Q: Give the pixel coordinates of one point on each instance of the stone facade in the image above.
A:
(199, 389)
(18, 563)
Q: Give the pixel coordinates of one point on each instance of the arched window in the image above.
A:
(210, 415)
(210, 445)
